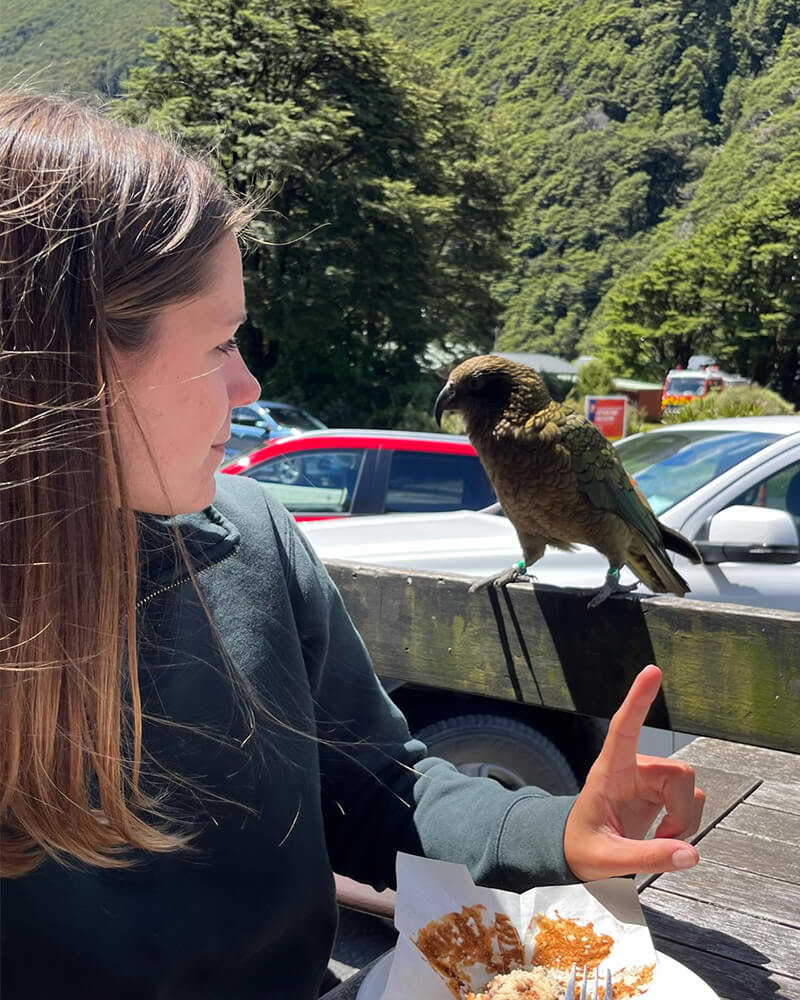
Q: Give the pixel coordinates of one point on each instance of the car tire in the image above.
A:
(498, 747)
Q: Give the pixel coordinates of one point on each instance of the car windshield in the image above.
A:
(669, 465)
(685, 385)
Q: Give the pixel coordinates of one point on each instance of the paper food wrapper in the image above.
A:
(470, 934)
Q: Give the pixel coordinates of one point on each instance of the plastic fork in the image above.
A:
(585, 983)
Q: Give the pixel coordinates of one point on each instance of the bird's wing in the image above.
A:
(600, 475)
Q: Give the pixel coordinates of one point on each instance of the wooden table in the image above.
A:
(735, 918)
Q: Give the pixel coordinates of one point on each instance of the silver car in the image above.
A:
(731, 485)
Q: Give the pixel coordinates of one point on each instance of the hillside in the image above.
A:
(615, 114)
(631, 131)
(74, 46)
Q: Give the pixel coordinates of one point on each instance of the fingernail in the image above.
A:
(684, 858)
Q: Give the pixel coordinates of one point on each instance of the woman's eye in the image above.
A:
(229, 346)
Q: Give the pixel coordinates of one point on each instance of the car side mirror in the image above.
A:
(750, 534)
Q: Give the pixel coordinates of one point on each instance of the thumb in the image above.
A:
(623, 856)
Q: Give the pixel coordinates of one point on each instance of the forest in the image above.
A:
(615, 177)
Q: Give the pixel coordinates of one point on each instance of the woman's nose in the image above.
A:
(243, 386)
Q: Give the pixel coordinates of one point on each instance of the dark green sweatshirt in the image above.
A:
(323, 776)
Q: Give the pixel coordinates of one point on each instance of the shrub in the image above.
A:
(595, 378)
(637, 419)
(737, 401)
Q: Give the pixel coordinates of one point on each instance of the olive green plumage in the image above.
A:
(558, 479)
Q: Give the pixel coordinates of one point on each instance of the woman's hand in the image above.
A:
(623, 794)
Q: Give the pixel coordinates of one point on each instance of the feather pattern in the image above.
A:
(559, 480)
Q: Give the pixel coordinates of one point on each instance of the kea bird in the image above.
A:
(558, 479)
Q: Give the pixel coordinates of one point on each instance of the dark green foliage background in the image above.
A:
(652, 152)
(386, 220)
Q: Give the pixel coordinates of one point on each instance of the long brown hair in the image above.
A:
(101, 226)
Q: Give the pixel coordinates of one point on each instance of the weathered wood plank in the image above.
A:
(729, 933)
(782, 796)
(732, 980)
(722, 886)
(724, 790)
(772, 824)
(729, 671)
(753, 760)
(773, 858)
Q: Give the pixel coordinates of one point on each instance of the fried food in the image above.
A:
(521, 984)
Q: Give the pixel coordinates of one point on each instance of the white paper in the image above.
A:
(428, 890)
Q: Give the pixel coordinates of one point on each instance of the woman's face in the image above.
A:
(182, 389)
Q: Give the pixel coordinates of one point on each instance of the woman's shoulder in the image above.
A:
(251, 508)
(243, 495)
(266, 529)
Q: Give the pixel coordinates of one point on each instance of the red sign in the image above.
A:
(608, 413)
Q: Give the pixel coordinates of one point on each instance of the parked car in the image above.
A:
(341, 473)
(244, 438)
(731, 485)
(275, 419)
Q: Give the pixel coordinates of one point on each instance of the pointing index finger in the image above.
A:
(622, 739)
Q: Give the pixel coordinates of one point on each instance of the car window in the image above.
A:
(316, 481)
(291, 416)
(685, 385)
(780, 491)
(243, 438)
(246, 415)
(669, 466)
(426, 481)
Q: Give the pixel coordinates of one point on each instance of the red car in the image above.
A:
(337, 473)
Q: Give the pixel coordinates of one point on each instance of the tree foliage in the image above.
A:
(724, 279)
(386, 218)
(74, 46)
(651, 150)
(633, 127)
(595, 378)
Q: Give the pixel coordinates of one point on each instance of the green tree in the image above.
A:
(386, 221)
(612, 112)
(595, 378)
(731, 290)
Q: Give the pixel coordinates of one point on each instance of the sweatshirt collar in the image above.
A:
(209, 537)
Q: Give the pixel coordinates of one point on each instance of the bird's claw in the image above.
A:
(611, 586)
(499, 580)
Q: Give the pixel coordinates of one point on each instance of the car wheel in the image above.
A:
(507, 750)
(288, 470)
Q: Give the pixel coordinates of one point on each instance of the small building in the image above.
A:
(547, 363)
(646, 395)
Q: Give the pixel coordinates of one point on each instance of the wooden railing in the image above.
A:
(730, 671)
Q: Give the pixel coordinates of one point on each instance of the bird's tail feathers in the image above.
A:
(676, 542)
(656, 571)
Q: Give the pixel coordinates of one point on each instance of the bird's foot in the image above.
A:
(611, 586)
(513, 574)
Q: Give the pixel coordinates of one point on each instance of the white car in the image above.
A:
(732, 486)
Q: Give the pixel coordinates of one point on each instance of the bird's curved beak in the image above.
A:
(443, 401)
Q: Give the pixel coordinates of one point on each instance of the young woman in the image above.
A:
(191, 734)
